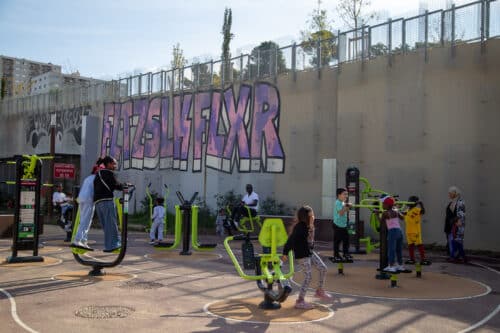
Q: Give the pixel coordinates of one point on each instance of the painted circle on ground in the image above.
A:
(83, 276)
(61, 242)
(47, 261)
(41, 249)
(373, 256)
(247, 310)
(361, 281)
(174, 255)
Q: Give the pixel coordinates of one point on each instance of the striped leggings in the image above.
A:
(306, 265)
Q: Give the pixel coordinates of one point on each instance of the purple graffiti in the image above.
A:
(227, 128)
(215, 144)
(237, 130)
(166, 142)
(152, 134)
(265, 127)
(182, 130)
(202, 104)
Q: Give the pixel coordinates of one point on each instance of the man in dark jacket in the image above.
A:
(105, 183)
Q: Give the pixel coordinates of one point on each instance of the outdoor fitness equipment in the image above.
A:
(151, 203)
(186, 223)
(26, 228)
(246, 224)
(371, 199)
(122, 211)
(267, 265)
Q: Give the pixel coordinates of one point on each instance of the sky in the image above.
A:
(110, 38)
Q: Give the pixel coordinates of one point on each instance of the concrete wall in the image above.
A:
(412, 127)
(418, 128)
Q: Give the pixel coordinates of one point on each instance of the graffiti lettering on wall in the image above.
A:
(37, 125)
(220, 130)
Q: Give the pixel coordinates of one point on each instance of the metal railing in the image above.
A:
(473, 22)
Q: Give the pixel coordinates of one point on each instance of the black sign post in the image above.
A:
(25, 235)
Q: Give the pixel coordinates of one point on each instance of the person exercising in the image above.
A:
(60, 200)
(250, 200)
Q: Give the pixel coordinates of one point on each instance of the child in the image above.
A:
(413, 219)
(158, 218)
(340, 235)
(219, 222)
(301, 242)
(394, 236)
(458, 231)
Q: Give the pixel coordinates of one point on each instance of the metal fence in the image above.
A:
(473, 22)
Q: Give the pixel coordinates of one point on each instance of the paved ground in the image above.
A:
(161, 292)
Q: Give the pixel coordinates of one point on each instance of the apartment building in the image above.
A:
(16, 74)
(54, 80)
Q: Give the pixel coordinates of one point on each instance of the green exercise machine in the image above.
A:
(268, 272)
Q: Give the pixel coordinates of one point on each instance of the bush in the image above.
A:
(228, 198)
(271, 207)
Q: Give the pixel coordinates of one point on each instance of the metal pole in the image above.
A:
(453, 30)
(294, 61)
(426, 33)
(53, 123)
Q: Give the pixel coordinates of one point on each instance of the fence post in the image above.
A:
(426, 33)
(389, 57)
(276, 49)
(318, 53)
(453, 30)
(241, 67)
(403, 36)
(369, 50)
(211, 72)
(443, 17)
(294, 61)
(258, 63)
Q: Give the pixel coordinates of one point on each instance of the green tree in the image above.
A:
(355, 15)
(378, 50)
(177, 63)
(319, 31)
(226, 41)
(267, 59)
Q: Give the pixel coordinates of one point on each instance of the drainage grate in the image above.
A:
(104, 312)
(144, 285)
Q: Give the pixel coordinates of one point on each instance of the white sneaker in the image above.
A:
(400, 268)
(391, 269)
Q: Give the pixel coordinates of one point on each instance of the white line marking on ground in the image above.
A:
(13, 311)
(330, 314)
(488, 317)
(481, 322)
(488, 290)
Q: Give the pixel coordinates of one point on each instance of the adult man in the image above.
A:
(250, 200)
(60, 200)
(105, 183)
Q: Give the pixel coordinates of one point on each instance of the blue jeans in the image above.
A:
(395, 246)
(451, 250)
(86, 213)
(106, 212)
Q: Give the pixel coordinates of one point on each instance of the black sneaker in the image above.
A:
(336, 258)
(347, 258)
(425, 262)
(410, 262)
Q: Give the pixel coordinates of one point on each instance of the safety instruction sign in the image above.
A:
(26, 226)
